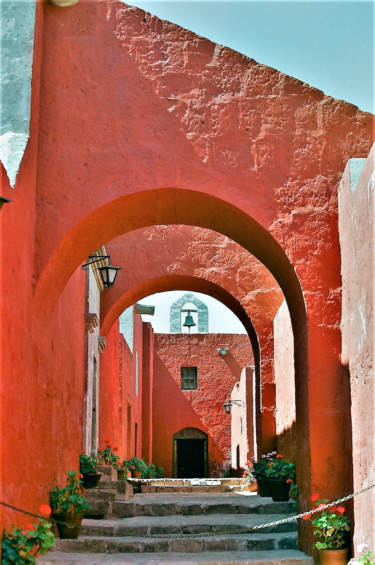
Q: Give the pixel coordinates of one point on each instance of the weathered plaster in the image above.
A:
(17, 20)
(357, 241)
(175, 409)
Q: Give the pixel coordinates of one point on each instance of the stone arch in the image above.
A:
(176, 309)
(166, 206)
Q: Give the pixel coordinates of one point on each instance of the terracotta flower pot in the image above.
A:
(333, 556)
(263, 487)
(279, 490)
(91, 480)
(68, 524)
(136, 474)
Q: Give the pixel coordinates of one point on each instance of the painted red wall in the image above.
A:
(244, 150)
(118, 391)
(147, 392)
(174, 409)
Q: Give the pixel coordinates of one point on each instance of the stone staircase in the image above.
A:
(180, 521)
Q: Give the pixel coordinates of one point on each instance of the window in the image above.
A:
(189, 378)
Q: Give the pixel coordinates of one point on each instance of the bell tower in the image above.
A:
(188, 304)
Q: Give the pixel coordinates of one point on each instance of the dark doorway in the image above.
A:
(190, 458)
(190, 454)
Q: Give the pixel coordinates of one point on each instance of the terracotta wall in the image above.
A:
(174, 409)
(242, 419)
(120, 395)
(259, 156)
(284, 381)
(357, 241)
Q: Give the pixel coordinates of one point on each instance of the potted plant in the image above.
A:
(154, 472)
(88, 467)
(280, 473)
(22, 545)
(107, 456)
(140, 467)
(331, 531)
(257, 469)
(123, 470)
(68, 506)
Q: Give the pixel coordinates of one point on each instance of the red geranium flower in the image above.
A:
(322, 506)
(289, 480)
(315, 497)
(45, 510)
(340, 509)
(306, 517)
(279, 456)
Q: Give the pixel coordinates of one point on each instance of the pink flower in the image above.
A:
(323, 506)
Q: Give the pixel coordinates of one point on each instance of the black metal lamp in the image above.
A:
(108, 273)
(228, 405)
(3, 200)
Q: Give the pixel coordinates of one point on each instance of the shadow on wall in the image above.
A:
(233, 365)
(171, 413)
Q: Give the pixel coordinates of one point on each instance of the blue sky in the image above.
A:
(328, 44)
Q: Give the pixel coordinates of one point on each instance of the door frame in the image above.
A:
(189, 433)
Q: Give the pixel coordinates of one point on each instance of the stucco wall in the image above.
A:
(357, 234)
(284, 370)
(175, 409)
(242, 419)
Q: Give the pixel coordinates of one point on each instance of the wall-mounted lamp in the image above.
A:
(223, 350)
(228, 405)
(107, 273)
(3, 201)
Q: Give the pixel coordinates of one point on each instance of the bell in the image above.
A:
(189, 322)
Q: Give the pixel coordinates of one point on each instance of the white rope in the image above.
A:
(310, 512)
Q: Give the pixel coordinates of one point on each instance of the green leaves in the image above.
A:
(20, 547)
(87, 464)
(331, 527)
(69, 498)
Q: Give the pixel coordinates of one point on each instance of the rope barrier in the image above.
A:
(313, 511)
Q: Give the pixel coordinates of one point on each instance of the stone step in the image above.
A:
(270, 557)
(197, 504)
(147, 488)
(100, 499)
(191, 482)
(168, 525)
(178, 543)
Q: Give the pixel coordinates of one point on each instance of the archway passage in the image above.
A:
(190, 454)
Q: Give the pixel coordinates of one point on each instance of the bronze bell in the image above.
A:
(189, 322)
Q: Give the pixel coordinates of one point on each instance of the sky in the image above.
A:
(327, 44)
(220, 318)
